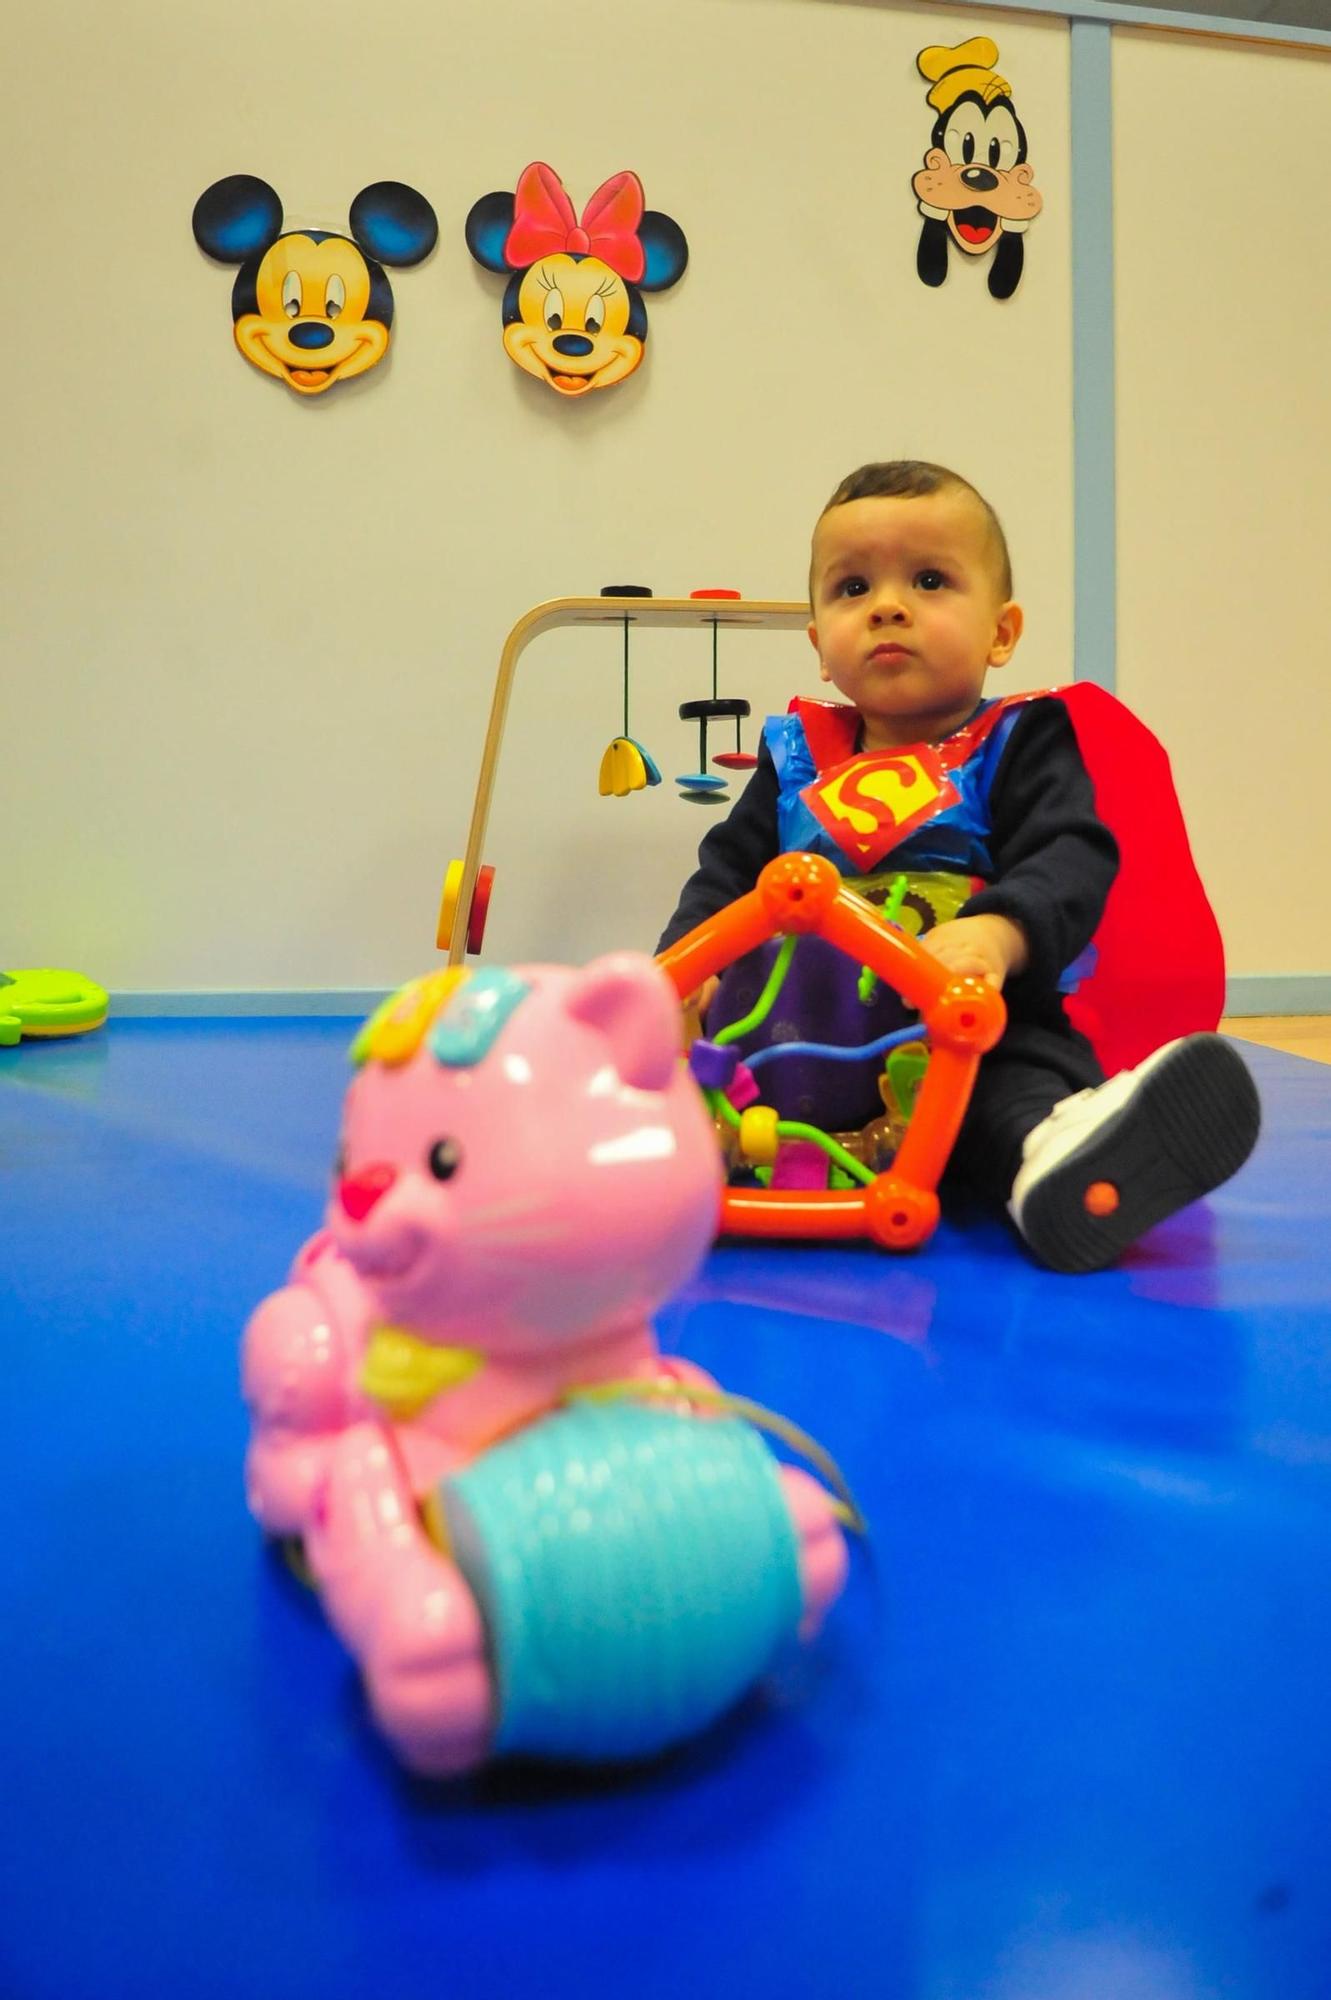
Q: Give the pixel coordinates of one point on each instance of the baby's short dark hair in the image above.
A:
(911, 479)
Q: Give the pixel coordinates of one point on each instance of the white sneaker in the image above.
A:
(1108, 1164)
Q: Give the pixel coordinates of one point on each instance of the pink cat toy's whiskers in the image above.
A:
(541, 1226)
(501, 1211)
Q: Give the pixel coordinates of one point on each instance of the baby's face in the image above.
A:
(908, 616)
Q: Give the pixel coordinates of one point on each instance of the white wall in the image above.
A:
(1223, 294)
(249, 640)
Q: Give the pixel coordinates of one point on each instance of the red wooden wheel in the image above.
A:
(480, 907)
(476, 915)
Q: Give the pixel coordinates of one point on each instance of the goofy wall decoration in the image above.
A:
(975, 188)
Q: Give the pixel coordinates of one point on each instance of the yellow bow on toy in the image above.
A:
(402, 1373)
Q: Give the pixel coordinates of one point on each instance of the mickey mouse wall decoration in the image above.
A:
(975, 189)
(312, 306)
(573, 312)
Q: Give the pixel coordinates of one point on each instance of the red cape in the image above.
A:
(1161, 969)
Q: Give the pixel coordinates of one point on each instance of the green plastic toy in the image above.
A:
(45, 1001)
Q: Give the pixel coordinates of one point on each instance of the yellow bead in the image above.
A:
(757, 1134)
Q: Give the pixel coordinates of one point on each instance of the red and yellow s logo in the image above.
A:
(869, 804)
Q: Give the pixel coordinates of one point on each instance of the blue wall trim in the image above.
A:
(1095, 553)
(303, 1003)
(1245, 993)
(1278, 993)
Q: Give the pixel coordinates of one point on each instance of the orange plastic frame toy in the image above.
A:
(962, 1017)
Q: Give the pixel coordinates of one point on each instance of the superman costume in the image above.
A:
(1007, 815)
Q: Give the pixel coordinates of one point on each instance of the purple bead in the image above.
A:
(712, 1065)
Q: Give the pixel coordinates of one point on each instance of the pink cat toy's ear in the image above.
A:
(628, 999)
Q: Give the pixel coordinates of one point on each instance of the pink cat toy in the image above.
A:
(514, 1523)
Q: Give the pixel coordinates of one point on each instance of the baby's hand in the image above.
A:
(989, 947)
(695, 1007)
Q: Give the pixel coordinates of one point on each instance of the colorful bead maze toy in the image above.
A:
(798, 895)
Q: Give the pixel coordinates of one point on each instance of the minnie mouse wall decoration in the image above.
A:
(310, 306)
(975, 189)
(573, 312)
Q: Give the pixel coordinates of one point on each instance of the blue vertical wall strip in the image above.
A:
(1094, 443)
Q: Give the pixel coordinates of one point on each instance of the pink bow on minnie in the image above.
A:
(544, 222)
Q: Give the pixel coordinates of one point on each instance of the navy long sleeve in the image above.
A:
(1054, 859)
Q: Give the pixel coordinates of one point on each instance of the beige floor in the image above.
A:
(1298, 1034)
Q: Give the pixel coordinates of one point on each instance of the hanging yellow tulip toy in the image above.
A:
(626, 766)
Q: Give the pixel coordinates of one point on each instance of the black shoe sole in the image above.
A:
(1188, 1126)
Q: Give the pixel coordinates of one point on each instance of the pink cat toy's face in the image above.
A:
(525, 1160)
